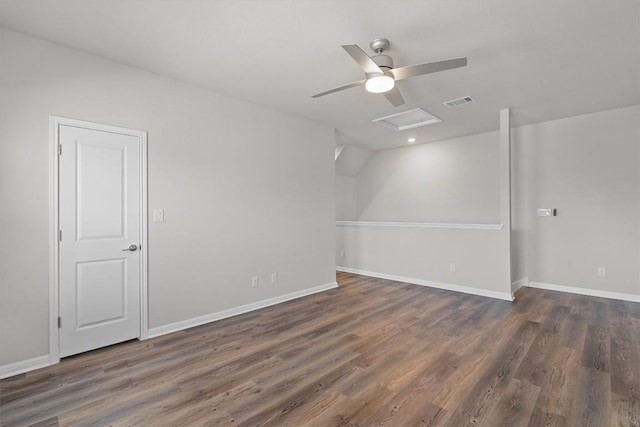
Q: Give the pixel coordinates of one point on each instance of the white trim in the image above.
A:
(54, 124)
(439, 285)
(23, 366)
(144, 240)
(207, 318)
(419, 225)
(519, 284)
(505, 197)
(54, 221)
(585, 291)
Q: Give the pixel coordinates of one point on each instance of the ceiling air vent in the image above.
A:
(408, 120)
(458, 102)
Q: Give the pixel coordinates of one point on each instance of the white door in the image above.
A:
(100, 235)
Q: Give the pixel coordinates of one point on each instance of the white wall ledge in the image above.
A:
(456, 225)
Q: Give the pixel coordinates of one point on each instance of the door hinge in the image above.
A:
(59, 322)
(59, 149)
(59, 235)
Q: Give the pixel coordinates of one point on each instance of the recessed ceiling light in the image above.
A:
(411, 140)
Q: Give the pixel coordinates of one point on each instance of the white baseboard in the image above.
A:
(23, 366)
(518, 284)
(439, 285)
(584, 291)
(207, 318)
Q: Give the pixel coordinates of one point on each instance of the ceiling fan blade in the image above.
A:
(431, 67)
(360, 56)
(394, 96)
(350, 85)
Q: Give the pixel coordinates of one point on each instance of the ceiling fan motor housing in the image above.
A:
(383, 61)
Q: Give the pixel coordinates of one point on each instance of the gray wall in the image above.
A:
(246, 190)
(452, 181)
(588, 168)
(425, 254)
(346, 198)
(456, 180)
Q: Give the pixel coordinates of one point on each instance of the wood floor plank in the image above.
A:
(516, 406)
(282, 391)
(573, 332)
(491, 386)
(558, 389)
(592, 404)
(359, 408)
(284, 407)
(537, 365)
(51, 422)
(539, 361)
(625, 358)
(626, 411)
(313, 411)
(409, 407)
(597, 349)
(371, 352)
(541, 418)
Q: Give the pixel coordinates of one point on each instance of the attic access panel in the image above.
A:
(408, 120)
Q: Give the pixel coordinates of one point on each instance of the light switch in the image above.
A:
(545, 212)
(158, 215)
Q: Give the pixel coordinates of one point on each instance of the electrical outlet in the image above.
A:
(342, 253)
(452, 267)
(254, 282)
(274, 277)
(602, 272)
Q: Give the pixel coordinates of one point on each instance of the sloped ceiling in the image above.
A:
(545, 59)
(351, 160)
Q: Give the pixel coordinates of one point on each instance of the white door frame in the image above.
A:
(54, 225)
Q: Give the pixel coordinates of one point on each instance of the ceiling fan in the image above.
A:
(380, 74)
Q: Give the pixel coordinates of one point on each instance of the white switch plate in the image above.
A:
(274, 277)
(545, 212)
(158, 215)
(254, 282)
(452, 267)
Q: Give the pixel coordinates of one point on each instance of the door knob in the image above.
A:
(131, 248)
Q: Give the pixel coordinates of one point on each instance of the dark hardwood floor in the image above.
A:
(372, 352)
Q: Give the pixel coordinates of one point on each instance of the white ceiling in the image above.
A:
(545, 59)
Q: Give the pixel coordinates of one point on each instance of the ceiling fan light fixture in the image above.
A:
(379, 83)
(381, 74)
